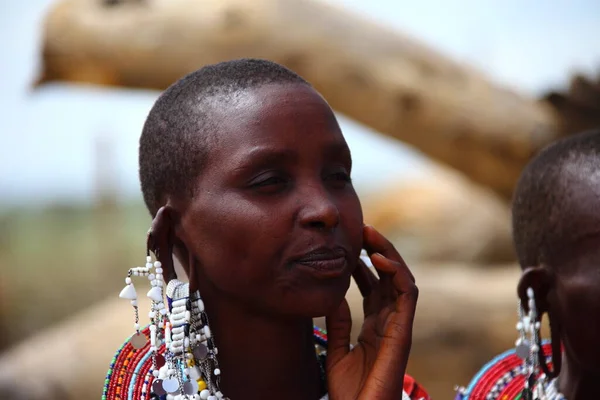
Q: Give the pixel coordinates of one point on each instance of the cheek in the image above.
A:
(351, 220)
(580, 318)
(232, 241)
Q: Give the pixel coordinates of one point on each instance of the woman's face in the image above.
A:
(275, 223)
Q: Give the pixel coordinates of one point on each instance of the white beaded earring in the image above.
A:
(528, 348)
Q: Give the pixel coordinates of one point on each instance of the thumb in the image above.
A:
(339, 325)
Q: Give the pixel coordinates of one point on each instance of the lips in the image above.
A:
(327, 261)
(322, 254)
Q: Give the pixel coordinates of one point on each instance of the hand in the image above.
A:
(374, 369)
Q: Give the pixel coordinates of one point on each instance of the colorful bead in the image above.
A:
(130, 374)
(500, 379)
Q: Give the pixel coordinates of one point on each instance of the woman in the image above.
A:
(247, 176)
(555, 228)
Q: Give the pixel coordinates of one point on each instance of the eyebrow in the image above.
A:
(264, 156)
(338, 149)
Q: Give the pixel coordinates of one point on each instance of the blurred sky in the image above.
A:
(46, 152)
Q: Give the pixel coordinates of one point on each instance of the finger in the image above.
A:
(339, 325)
(397, 275)
(367, 284)
(375, 242)
(364, 278)
(385, 289)
(387, 375)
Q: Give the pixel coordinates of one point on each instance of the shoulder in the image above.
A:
(413, 390)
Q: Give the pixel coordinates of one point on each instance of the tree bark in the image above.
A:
(377, 76)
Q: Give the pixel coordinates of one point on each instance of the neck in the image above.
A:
(262, 356)
(576, 383)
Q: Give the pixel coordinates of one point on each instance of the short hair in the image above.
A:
(180, 127)
(544, 210)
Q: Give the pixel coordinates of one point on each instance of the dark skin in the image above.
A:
(567, 290)
(272, 241)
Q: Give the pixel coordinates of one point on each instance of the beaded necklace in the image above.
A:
(503, 378)
(130, 374)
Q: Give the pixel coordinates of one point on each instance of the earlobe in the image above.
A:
(160, 240)
(538, 279)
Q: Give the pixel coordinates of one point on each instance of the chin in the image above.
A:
(320, 302)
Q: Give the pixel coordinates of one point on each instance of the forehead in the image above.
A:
(278, 116)
(579, 207)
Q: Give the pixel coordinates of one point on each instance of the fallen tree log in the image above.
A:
(377, 76)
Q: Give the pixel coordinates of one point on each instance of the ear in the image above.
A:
(537, 278)
(540, 280)
(160, 240)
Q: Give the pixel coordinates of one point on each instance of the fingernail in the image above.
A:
(379, 255)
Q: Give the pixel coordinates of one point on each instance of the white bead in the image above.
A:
(155, 373)
(159, 277)
(157, 264)
(136, 327)
(151, 277)
(160, 305)
(155, 294)
(152, 328)
(217, 371)
(159, 270)
(212, 398)
(535, 348)
(151, 314)
(179, 303)
(153, 348)
(204, 394)
(136, 273)
(519, 326)
(134, 302)
(207, 332)
(219, 395)
(148, 259)
(128, 280)
(128, 292)
(163, 311)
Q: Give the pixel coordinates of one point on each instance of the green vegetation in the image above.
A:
(59, 260)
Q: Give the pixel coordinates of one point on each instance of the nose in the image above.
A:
(319, 211)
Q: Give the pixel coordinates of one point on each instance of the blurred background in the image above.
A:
(442, 103)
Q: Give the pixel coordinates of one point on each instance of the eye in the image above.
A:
(270, 183)
(339, 178)
(274, 180)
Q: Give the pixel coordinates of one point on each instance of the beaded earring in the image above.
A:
(157, 310)
(537, 384)
(190, 346)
